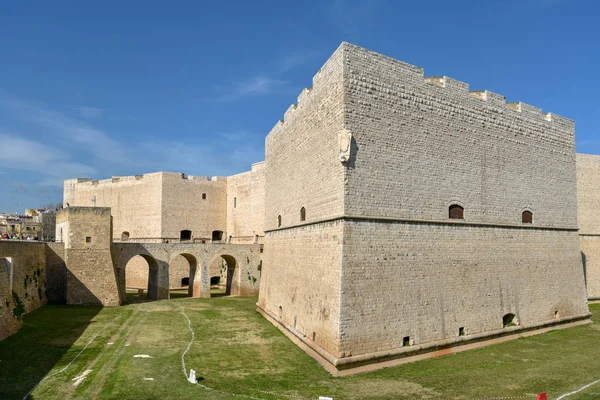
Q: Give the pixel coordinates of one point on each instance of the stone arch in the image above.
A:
(135, 269)
(193, 275)
(233, 279)
(510, 320)
(217, 272)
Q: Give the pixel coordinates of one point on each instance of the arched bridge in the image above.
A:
(242, 260)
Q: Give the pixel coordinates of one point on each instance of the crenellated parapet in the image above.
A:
(413, 76)
(126, 180)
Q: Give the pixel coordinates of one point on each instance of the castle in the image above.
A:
(402, 217)
(163, 206)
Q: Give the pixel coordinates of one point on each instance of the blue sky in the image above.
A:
(95, 89)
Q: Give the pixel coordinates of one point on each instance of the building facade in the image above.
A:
(172, 207)
(407, 213)
(400, 215)
(588, 195)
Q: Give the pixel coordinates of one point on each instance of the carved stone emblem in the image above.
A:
(345, 137)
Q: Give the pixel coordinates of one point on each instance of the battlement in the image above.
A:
(149, 176)
(411, 72)
(415, 75)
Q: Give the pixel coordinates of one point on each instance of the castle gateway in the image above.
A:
(407, 214)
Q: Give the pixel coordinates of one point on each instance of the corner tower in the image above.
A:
(407, 214)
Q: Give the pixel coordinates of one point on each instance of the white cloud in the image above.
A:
(27, 155)
(79, 133)
(255, 86)
(57, 147)
(90, 112)
(296, 59)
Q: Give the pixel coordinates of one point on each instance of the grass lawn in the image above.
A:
(237, 352)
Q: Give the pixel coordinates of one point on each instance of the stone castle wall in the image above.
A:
(425, 143)
(300, 285)
(137, 273)
(417, 146)
(302, 265)
(27, 275)
(90, 275)
(452, 146)
(185, 207)
(303, 168)
(157, 207)
(246, 205)
(426, 281)
(588, 195)
(135, 202)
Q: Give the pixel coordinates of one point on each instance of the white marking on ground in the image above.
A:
(188, 349)
(109, 343)
(189, 344)
(578, 390)
(127, 345)
(76, 357)
(78, 379)
(148, 379)
(142, 356)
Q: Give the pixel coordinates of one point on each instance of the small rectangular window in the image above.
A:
(234, 202)
(203, 196)
(88, 239)
(406, 341)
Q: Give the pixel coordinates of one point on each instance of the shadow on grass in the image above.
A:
(133, 297)
(218, 292)
(48, 333)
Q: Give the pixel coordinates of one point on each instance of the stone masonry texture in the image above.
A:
(377, 265)
(90, 274)
(30, 275)
(157, 207)
(588, 195)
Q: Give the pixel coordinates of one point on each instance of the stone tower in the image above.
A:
(87, 236)
(407, 214)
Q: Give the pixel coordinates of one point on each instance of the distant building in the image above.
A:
(174, 207)
(15, 225)
(33, 225)
(45, 220)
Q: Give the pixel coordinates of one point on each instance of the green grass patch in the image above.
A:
(237, 352)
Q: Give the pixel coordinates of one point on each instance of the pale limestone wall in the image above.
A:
(590, 253)
(419, 145)
(156, 207)
(301, 267)
(422, 147)
(179, 268)
(426, 281)
(184, 208)
(56, 272)
(203, 260)
(135, 202)
(246, 205)
(303, 168)
(302, 275)
(588, 196)
(136, 273)
(90, 275)
(22, 279)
